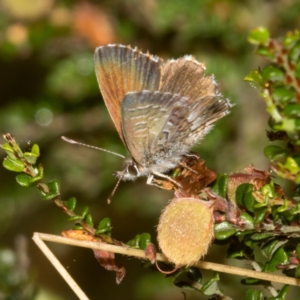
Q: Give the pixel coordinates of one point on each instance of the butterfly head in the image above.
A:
(131, 170)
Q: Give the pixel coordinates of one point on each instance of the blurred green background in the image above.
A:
(48, 89)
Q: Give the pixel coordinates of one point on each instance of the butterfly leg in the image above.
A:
(150, 181)
(191, 155)
(150, 178)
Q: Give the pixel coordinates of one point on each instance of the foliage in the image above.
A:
(258, 213)
(48, 89)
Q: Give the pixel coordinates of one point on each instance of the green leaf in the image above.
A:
(295, 211)
(53, 187)
(175, 173)
(220, 185)
(288, 125)
(294, 135)
(134, 243)
(35, 149)
(259, 214)
(246, 233)
(291, 39)
(224, 230)
(283, 207)
(236, 251)
(297, 272)
(88, 219)
(85, 212)
(292, 110)
(298, 251)
(75, 218)
(9, 150)
(24, 180)
(140, 241)
(248, 241)
(254, 295)
(250, 281)
(77, 226)
(185, 277)
(265, 51)
(104, 223)
(261, 236)
(211, 287)
(275, 214)
(259, 35)
(291, 165)
(270, 247)
(295, 53)
(274, 152)
(15, 165)
(244, 197)
(71, 203)
(39, 171)
(269, 190)
(283, 94)
(145, 239)
(249, 221)
(297, 69)
(255, 78)
(272, 123)
(31, 157)
(272, 73)
(283, 292)
(279, 257)
(104, 227)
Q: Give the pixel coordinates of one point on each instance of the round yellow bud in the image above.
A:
(185, 230)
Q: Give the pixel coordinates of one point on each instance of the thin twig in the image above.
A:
(160, 257)
(59, 267)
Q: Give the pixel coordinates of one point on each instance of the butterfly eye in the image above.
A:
(133, 170)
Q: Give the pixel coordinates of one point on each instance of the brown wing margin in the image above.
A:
(185, 76)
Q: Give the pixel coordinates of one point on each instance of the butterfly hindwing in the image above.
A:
(189, 122)
(144, 116)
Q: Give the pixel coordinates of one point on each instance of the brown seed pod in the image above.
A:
(185, 230)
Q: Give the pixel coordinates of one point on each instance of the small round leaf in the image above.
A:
(274, 152)
(259, 35)
(23, 179)
(15, 165)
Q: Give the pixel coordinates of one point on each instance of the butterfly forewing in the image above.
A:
(144, 117)
(185, 76)
(120, 70)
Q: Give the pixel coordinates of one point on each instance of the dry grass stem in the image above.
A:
(159, 257)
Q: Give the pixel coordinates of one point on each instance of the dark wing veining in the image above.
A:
(144, 115)
(119, 70)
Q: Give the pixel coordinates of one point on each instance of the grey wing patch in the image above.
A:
(189, 122)
(144, 115)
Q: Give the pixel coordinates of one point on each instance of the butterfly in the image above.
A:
(160, 109)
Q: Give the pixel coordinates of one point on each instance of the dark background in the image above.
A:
(48, 89)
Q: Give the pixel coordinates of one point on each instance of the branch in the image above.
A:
(160, 257)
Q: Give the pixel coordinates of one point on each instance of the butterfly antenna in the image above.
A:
(116, 186)
(89, 146)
